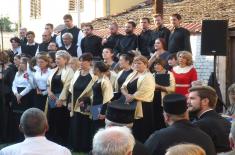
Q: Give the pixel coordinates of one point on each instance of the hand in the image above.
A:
(81, 104)
(101, 117)
(39, 92)
(59, 103)
(158, 87)
(51, 95)
(18, 97)
(104, 40)
(129, 98)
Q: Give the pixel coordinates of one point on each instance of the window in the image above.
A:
(73, 5)
(35, 9)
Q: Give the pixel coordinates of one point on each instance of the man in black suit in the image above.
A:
(161, 31)
(146, 38)
(179, 39)
(180, 130)
(121, 114)
(50, 27)
(46, 39)
(202, 101)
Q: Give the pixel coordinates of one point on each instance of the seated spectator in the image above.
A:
(185, 149)
(202, 102)
(33, 124)
(113, 141)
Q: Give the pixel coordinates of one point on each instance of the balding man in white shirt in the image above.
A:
(33, 124)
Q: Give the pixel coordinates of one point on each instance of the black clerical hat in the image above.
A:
(174, 104)
(120, 112)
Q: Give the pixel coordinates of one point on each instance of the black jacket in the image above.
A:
(180, 132)
(112, 42)
(162, 32)
(72, 50)
(179, 40)
(217, 128)
(146, 42)
(127, 43)
(92, 44)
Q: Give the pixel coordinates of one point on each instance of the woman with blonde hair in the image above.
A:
(56, 106)
(138, 90)
(185, 149)
(184, 72)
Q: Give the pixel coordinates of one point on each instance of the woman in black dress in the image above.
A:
(7, 74)
(102, 94)
(125, 63)
(165, 84)
(58, 87)
(81, 90)
(138, 90)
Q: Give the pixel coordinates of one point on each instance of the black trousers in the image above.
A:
(58, 119)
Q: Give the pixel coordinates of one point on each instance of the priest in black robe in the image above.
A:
(161, 31)
(179, 39)
(91, 43)
(129, 41)
(146, 38)
(68, 45)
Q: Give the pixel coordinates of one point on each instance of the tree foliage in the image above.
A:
(5, 24)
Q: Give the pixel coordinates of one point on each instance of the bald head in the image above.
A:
(33, 122)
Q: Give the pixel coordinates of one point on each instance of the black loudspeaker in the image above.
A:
(214, 37)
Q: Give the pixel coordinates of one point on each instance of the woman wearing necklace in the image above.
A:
(139, 89)
(102, 95)
(40, 81)
(58, 86)
(125, 63)
(184, 72)
(81, 90)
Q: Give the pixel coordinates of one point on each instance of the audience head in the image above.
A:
(119, 114)
(43, 61)
(15, 42)
(33, 122)
(201, 99)
(185, 149)
(23, 32)
(4, 57)
(62, 58)
(126, 60)
(140, 63)
(46, 36)
(184, 58)
(74, 63)
(144, 23)
(113, 141)
(49, 27)
(67, 38)
(30, 35)
(175, 20)
(68, 20)
(85, 61)
(231, 94)
(175, 108)
(88, 29)
(172, 60)
(17, 60)
(23, 64)
(160, 44)
(51, 55)
(158, 20)
(130, 27)
(113, 28)
(52, 46)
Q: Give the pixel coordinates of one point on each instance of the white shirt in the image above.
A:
(40, 79)
(24, 80)
(17, 51)
(35, 146)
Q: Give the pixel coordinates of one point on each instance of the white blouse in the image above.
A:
(40, 79)
(23, 80)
